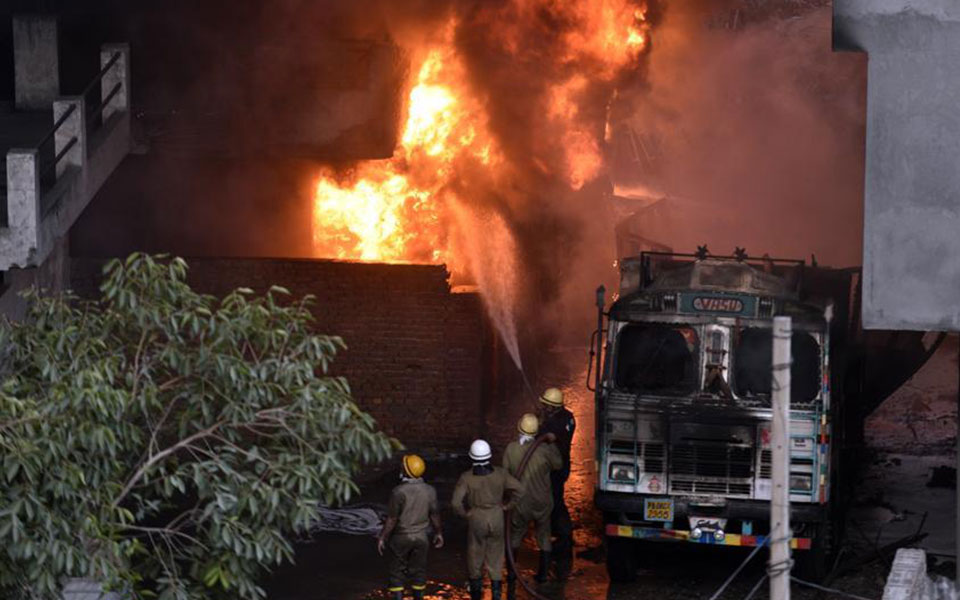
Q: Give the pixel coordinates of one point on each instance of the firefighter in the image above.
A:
(537, 501)
(479, 497)
(410, 512)
(559, 421)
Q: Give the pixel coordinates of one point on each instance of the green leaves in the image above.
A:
(165, 441)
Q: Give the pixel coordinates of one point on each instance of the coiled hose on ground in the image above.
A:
(506, 526)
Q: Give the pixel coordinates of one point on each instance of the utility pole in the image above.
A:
(780, 534)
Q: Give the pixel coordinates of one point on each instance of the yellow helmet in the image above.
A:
(552, 397)
(413, 466)
(529, 424)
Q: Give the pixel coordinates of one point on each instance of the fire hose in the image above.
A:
(512, 565)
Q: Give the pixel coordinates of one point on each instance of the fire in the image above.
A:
(581, 150)
(409, 207)
(393, 210)
(370, 223)
(611, 33)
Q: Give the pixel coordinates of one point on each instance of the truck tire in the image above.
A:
(622, 560)
(816, 563)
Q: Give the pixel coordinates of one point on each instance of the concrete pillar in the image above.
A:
(911, 275)
(23, 203)
(36, 61)
(908, 577)
(118, 73)
(74, 127)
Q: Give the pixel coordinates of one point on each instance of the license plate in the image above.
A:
(658, 509)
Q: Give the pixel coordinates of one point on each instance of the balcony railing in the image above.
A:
(67, 165)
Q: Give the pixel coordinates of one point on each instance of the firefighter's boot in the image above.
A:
(563, 558)
(396, 595)
(495, 587)
(544, 567)
(562, 568)
(417, 594)
(511, 585)
(476, 589)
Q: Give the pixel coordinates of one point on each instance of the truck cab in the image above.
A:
(683, 405)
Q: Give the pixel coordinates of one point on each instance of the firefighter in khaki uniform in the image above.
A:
(479, 497)
(411, 510)
(537, 501)
(556, 419)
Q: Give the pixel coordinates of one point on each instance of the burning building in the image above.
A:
(506, 108)
(469, 140)
(486, 138)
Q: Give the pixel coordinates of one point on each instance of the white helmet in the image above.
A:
(480, 452)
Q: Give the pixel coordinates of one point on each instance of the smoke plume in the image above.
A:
(737, 116)
(753, 129)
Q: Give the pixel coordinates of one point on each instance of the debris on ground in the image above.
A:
(365, 519)
(943, 476)
(594, 554)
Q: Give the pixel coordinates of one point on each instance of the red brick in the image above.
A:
(414, 350)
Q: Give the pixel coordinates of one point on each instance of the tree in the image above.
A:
(166, 442)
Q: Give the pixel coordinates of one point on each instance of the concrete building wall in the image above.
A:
(414, 358)
(36, 61)
(912, 187)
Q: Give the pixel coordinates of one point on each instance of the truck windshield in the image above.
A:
(657, 358)
(753, 363)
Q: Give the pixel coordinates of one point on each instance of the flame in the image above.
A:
(390, 210)
(611, 33)
(402, 209)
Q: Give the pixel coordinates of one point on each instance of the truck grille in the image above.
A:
(711, 468)
(653, 458)
(726, 488)
(650, 454)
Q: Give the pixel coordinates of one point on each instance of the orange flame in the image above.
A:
(400, 209)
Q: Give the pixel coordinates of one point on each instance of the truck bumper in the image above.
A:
(629, 510)
(707, 537)
(734, 508)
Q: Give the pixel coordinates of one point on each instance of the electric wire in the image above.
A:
(736, 571)
(827, 589)
(756, 586)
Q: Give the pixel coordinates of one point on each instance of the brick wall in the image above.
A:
(414, 355)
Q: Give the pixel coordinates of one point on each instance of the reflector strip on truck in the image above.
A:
(707, 537)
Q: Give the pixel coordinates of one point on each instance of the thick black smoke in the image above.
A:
(753, 129)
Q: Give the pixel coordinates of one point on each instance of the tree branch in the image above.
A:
(242, 451)
(166, 385)
(163, 531)
(136, 365)
(160, 456)
(156, 429)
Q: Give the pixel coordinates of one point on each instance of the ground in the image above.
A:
(889, 503)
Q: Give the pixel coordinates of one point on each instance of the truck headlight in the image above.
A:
(801, 483)
(623, 472)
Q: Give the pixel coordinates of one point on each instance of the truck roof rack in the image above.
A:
(650, 263)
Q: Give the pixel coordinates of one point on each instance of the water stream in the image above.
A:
(491, 249)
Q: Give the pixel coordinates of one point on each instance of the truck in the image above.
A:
(681, 368)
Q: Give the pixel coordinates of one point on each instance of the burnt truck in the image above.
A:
(682, 380)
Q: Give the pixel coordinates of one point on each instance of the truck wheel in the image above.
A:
(815, 564)
(622, 561)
